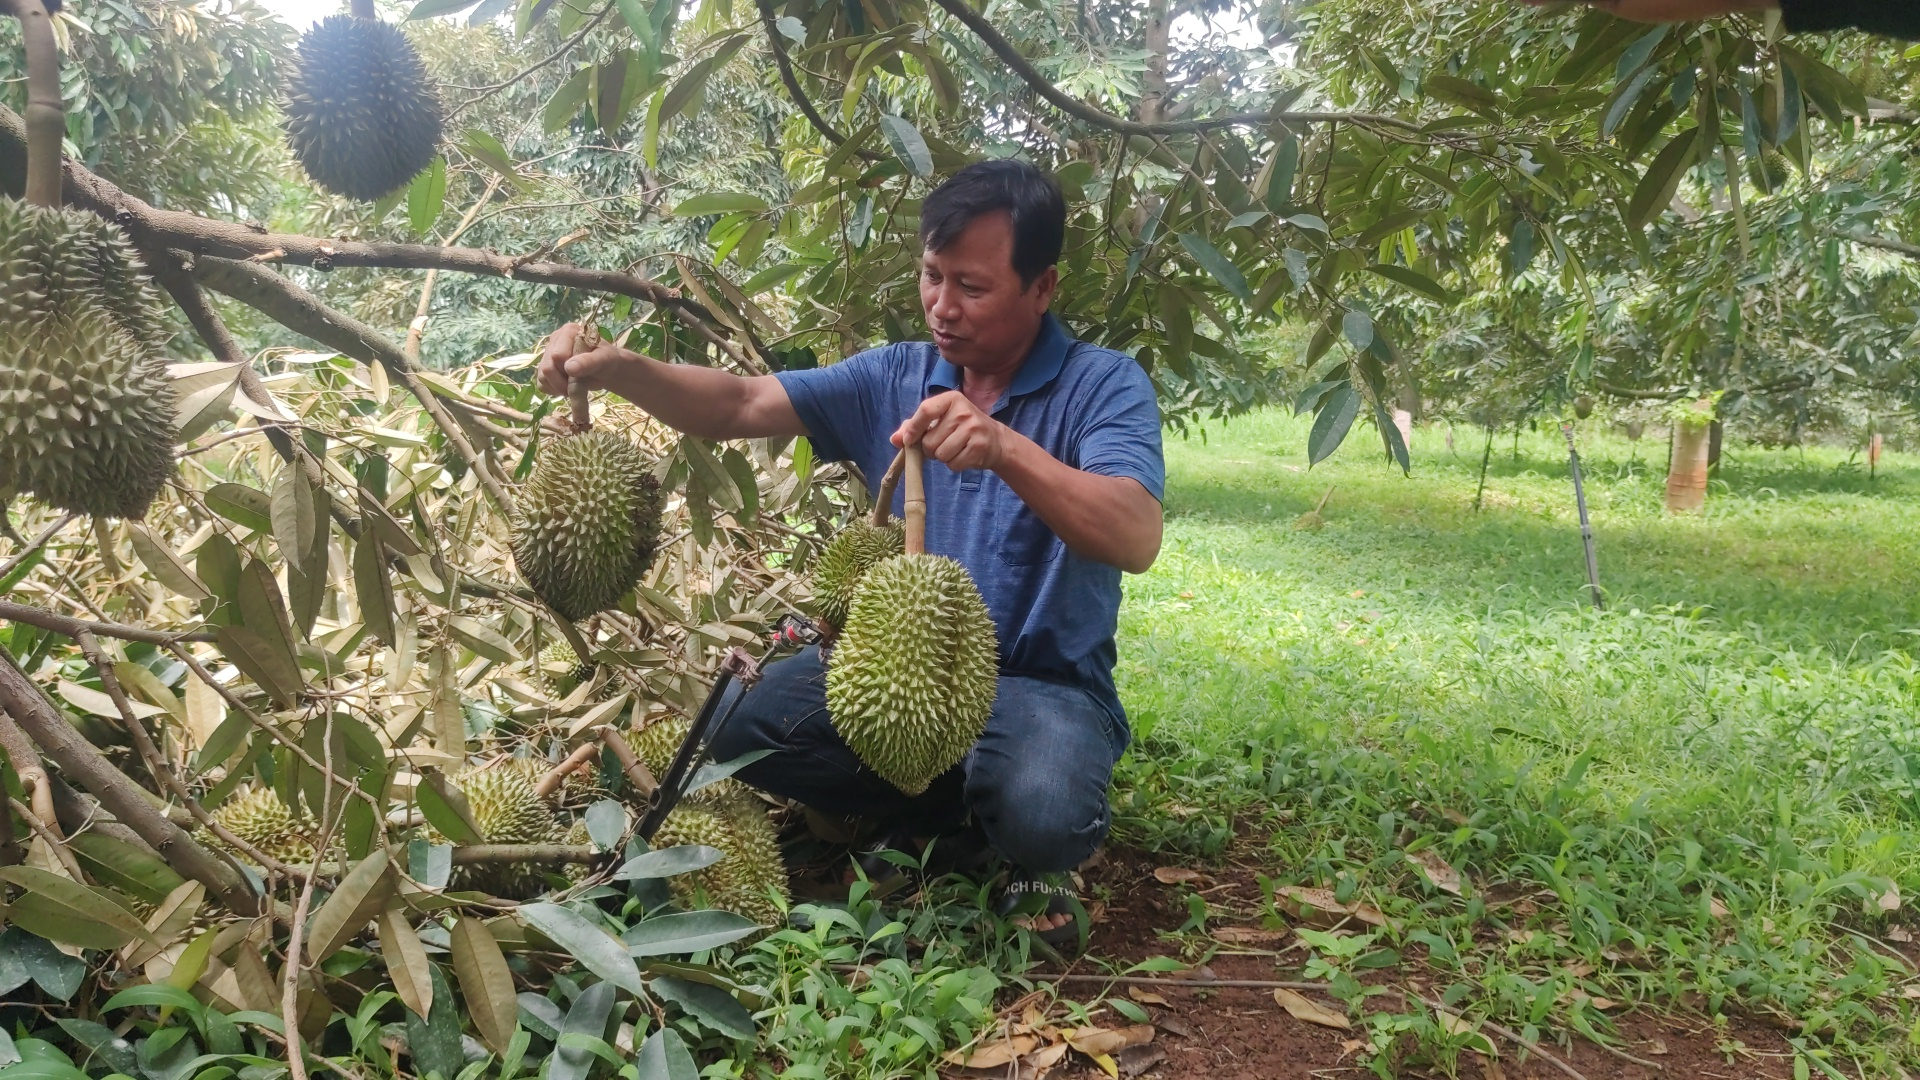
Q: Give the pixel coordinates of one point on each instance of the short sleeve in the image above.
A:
(838, 402)
(1120, 429)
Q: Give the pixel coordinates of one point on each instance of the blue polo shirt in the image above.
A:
(1089, 407)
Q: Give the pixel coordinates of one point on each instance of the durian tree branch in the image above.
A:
(472, 854)
(794, 90)
(302, 312)
(74, 628)
(46, 121)
(81, 761)
(150, 756)
(34, 781)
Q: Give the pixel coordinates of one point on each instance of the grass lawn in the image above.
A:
(1706, 797)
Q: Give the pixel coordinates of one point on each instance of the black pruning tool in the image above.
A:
(792, 631)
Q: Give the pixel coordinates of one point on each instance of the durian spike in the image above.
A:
(46, 114)
(916, 503)
(883, 499)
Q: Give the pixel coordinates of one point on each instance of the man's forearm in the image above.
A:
(1109, 519)
(703, 402)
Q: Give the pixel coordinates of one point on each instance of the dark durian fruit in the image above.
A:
(362, 117)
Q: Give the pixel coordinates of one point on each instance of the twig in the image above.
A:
(74, 628)
(638, 774)
(36, 544)
(48, 830)
(486, 92)
(552, 779)
(417, 329)
(290, 984)
(81, 761)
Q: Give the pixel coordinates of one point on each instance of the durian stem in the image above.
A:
(46, 113)
(638, 774)
(363, 9)
(916, 505)
(577, 400)
(883, 498)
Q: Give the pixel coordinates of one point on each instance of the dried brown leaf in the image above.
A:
(1147, 997)
(1310, 1011)
(1248, 935)
(1438, 872)
(1318, 907)
(1092, 1040)
(994, 1055)
(1177, 875)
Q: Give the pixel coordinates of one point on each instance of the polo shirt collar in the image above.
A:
(1041, 366)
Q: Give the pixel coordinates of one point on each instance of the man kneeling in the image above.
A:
(1051, 489)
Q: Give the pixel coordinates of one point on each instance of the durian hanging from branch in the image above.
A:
(362, 116)
(589, 518)
(855, 550)
(87, 418)
(915, 671)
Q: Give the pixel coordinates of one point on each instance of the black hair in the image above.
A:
(1032, 197)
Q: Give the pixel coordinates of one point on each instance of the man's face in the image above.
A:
(980, 313)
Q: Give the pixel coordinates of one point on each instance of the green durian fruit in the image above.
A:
(362, 117)
(658, 743)
(508, 811)
(261, 819)
(589, 522)
(1583, 406)
(576, 836)
(87, 418)
(560, 671)
(59, 260)
(915, 671)
(87, 422)
(752, 869)
(848, 557)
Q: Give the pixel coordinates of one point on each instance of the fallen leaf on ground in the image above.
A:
(1311, 1012)
(1899, 934)
(1177, 875)
(1717, 909)
(1657, 1047)
(1135, 1060)
(1911, 993)
(994, 1055)
(1173, 1026)
(1319, 906)
(1046, 1057)
(1092, 1041)
(1247, 935)
(1579, 969)
(1890, 900)
(1454, 817)
(1145, 996)
(1352, 1046)
(1436, 870)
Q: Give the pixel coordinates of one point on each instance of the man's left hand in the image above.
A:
(955, 432)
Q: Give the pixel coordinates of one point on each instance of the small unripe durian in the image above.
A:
(362, 117)
(508, 811)
(262, 820)
(847, 559)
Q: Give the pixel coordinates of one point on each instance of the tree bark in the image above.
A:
(1687, 474)
(1153, 82)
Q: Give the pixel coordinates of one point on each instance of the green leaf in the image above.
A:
(355, 901)
(427, 9)
(685, 932)
(664, 1056)
(373, 585)
(1216, 264)
(487, 150)
(695, 79)
(1624, 101)
(166, 567)
(793, 29)
(244, 506)
(482, 640)
(668, 862)
(1390, 434)
(611, 101)
(130, 868)
(1461, 92)
(595, 949)
(713, 477)
(1412, 279)
(427, 196)
(153, 994)
(586, 1019)
(1278, 191)
(908, 145)
(1662, 179)
(565, 103)
(1331, 424)
(710, 1005)
(720, 202)
(637, 19)
(446, 809)
(1358, 328)
(93, 914)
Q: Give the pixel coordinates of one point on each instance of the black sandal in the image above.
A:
(1034, 896)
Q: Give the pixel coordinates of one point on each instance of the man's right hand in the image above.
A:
(693, 398)
(594, 367)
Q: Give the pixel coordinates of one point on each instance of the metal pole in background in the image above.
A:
(1586, 527)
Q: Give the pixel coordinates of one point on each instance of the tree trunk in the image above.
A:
(1687, 475)
(1716, 433)
(1153, 82)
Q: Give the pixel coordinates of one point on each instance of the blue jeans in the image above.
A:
(1036, 782)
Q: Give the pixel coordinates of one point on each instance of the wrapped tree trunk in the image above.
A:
(1687, 475)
